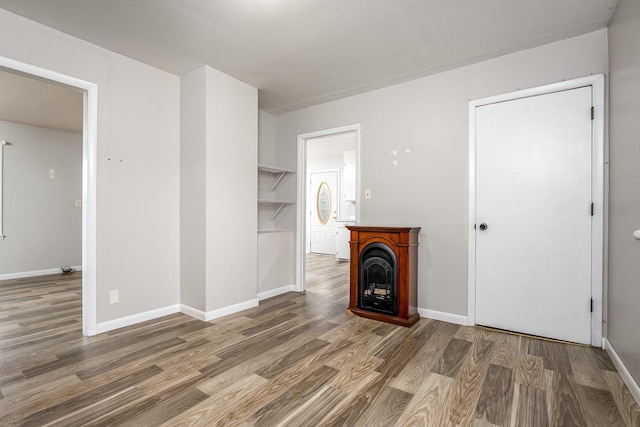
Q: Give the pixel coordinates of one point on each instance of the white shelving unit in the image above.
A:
(266, 195)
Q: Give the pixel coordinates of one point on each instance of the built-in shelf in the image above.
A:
(282, 204)
(272, 230)
(279, 174)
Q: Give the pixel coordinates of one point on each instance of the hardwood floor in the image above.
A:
(297, 359)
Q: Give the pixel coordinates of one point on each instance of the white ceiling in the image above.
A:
(304, 52)
(41, 103)
(331, 145)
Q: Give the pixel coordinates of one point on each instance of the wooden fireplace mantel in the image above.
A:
(403, 241)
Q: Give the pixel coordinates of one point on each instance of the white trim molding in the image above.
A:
(442, 316)
(136, 318)
(89, 182)
(301, 174)
(220, 312)
(633, 386)
(36, 273)
(598, 244)
(275, 292)
(3, 144)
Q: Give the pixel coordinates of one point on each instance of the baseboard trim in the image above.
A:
(193, 312)
(442, 316)
(220, 312)
(136, 318)
(275, 292)
(633, 386)
(36, 273)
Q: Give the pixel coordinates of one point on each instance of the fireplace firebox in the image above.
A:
(378, 284)
(384, 273)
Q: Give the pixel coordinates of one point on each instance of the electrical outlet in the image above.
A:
(78, 203)
(114, 298)
(52, 174)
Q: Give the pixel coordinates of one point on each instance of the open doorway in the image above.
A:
(328, 186)
(86, 200)
(41, 130)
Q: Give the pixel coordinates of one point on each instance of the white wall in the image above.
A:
(266, 138)
(42, 224)
(232, 176)
(429, 116)
(138, 163)
(624, 202)
(193, 136)
(219, 157)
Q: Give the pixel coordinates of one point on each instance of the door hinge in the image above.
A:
(591, 309)
(591, 209)
(593, 113)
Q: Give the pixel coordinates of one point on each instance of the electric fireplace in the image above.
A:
(384, 279)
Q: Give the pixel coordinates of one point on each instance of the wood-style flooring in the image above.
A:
(297, 359)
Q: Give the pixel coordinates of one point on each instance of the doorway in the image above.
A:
(320, 207)
(89, 178)
(536, 211)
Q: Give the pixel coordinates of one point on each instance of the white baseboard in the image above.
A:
(36, 273)
(193, 312)
(136, 318)
(275, 292)
(633, 386)
(442, 316)
(220, 312)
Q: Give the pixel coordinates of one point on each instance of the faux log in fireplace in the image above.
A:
(384, 273)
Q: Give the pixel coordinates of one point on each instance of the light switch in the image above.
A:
(367, 194)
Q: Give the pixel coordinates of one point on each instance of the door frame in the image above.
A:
(89, 181)
(598, 245)
(309, 200)
(301, 198)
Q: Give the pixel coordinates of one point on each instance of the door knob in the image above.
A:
(483, 226)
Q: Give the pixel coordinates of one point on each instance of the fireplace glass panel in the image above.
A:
(378, 285)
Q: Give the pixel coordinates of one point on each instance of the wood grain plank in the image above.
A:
(505, 352)
(84, 416)
(625, 402)
(554, 354)
(57, 411)
(585, 368)
(460, 407)
(530, 371)
(417, 369)
(311, 412)
(599, 407)
(562, 400)
(423, 408)
(278, 408)
(532, 407)
(349, 377)
(353, 406)
(283, 363)
(452, 358)
(386, 408)
(494, 404)
(216, 407)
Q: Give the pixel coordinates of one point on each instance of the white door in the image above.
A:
(323, 212)
(533, 215)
